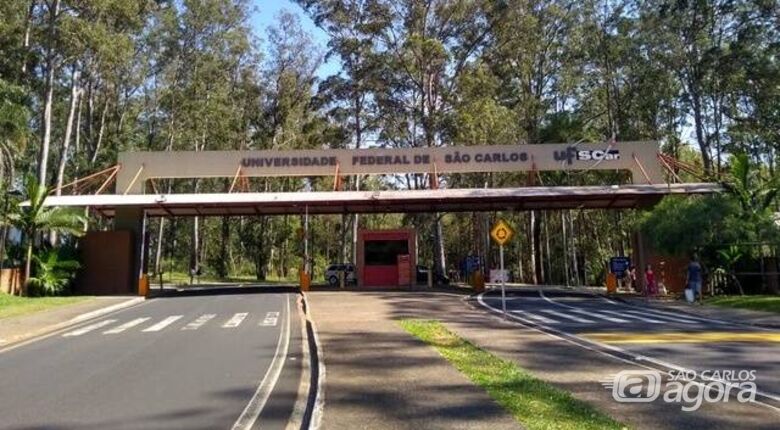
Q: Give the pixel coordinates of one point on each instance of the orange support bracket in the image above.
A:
(641, 168)
(337, 182)
(235, 179)
(434, 177)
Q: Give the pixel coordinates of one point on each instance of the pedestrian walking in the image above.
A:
(694, 278)
(650, 285)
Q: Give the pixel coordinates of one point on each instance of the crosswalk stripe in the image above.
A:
(636, 317)
(162, 324)
(692, 319)
(663, 317)
(535, 317)
(125, 326)
(601, 315)
(566, 316)
(271, 319)
(235, 320)
(88, 328)
(203, 319)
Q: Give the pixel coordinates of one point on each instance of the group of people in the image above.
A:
(693, 280)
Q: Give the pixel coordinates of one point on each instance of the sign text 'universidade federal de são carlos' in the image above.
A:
(567, 156)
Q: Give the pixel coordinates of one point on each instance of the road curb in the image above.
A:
(298, 415)
(45, 331)
(307, 412)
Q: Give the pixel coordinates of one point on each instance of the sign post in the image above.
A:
(501, 234)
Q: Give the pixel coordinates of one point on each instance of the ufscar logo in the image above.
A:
(571, 153)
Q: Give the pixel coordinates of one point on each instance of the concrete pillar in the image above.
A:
(132, 219)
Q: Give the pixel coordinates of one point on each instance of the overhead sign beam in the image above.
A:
(640, 158)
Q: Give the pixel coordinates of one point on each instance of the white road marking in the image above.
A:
(125, 326)
(535, 317)
(679, 317)
(203, 319)
(667, 318)
(235, 320)
(640, 318)
(636, 360)
(271, 318)
(600, 315)
(566, 316)
(89, 328)
(162, 324)
(252, 410)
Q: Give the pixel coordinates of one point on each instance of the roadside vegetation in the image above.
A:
(82, 81)
(11, 306)
(534, 403)
(757, 303)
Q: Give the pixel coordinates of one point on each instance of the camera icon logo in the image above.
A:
(635, 386)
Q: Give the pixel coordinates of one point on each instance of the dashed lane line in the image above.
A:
(566, 316)
(203, 319)
(162, 324)
(235, 320)
(125, 326)
(89, 328)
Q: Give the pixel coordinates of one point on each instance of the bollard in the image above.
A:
(305, 281)
(342, 276)
(143, 285)
(430, 278)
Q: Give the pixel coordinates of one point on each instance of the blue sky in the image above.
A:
(266, 14)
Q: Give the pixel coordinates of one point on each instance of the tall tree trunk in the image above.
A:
(355, 226)
(222, 263)
(27, 266)
(101, 130)
(575, 265)
(74, 95)
(48, 98)
(536, 248)
(440, 263)
(27, 30)
(159, 250)
(532, 243)
(704, 146)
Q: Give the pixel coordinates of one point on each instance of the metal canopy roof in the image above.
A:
(338, 202)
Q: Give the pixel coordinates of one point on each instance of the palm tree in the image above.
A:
(32, 217)
(754, 192)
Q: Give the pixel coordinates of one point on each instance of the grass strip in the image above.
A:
(11, 306)
(533, 402)
(764, 303)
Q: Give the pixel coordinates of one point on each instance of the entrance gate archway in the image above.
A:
(129, 206)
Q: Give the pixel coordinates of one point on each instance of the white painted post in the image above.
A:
(306, 241)
(503, 290)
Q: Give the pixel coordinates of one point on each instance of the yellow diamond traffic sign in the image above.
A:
(501, 232)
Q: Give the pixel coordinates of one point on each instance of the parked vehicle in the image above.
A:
(332, 274)
(422, 276)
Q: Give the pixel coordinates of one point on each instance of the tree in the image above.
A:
(35, 218)
(14, 115)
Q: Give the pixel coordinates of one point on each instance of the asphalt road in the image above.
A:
(194, 361)
(672, 339)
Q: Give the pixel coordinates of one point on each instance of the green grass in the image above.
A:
(534, 403)
(11, 306)
(756, 303)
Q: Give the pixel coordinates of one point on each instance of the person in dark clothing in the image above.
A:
(694, 278)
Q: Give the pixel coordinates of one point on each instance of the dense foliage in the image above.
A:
(81, 81)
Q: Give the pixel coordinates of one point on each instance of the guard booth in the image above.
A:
(386, 258)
